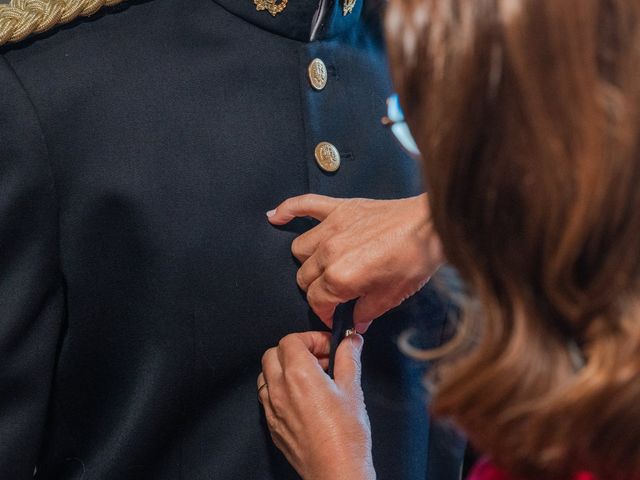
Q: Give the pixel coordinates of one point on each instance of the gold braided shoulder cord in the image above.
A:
(21, 18)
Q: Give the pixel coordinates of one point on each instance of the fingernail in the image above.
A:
(362, 328)
(357, 342)
(271, 213)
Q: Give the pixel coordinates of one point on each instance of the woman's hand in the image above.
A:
(378, 251)
(320, 425)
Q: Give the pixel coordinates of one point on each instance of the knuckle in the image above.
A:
(276, 438)
(341, 280)
(314, 299)
(266, 356)
(297, 375)
(312, 295)
(300, 280)
(331, 227)
(263, 396)
(286, 342)
(296, 247)
(302, 202)
(334, 276)
(295, 203)
(278, 403)
(273, 423)
(331, 247)
(310, 198)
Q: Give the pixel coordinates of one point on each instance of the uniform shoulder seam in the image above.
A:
(23, 18)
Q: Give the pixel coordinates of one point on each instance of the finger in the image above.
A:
(324, 363)
(362, 328)
(368, 308)
(299, 356)
(271, 368)
(306, 244)
(347, 369)
(260, 380)
(308, 273)
(269, 414)
(300, 347)
(322, 300)
(265, 401)
(262, 386)
(309, 205)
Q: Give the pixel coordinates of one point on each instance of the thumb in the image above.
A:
(309, 205)
(348, 367)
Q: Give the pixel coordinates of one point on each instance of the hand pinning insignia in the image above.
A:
(272, 6)
(347, 7)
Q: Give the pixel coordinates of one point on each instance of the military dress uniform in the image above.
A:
(140, 282)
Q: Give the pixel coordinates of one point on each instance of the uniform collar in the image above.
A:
(300, 17)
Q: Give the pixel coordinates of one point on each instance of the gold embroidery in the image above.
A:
(21, 18)
(272, 6)
(347, 8)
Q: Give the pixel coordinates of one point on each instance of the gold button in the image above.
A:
(327, 156)
(318, 74)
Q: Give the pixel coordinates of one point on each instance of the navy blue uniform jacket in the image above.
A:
(140, 282)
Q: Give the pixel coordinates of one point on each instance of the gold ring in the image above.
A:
(261, 387)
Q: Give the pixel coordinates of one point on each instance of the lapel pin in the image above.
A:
(271, 6)
(347, 7)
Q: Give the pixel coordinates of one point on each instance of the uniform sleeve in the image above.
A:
(31, 291)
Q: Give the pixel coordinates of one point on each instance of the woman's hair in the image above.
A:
(22, 18)
(527, 113)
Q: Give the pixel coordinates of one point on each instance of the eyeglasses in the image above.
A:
(396, 122)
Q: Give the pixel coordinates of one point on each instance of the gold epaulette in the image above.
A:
(21, 18)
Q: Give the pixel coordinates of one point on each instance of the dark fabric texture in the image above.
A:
(140, 282)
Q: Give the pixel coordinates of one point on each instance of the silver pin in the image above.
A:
(347, 7)
(349, 332)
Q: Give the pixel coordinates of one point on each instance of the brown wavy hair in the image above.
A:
(527, 113)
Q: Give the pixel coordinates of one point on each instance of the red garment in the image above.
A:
(485, 470)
